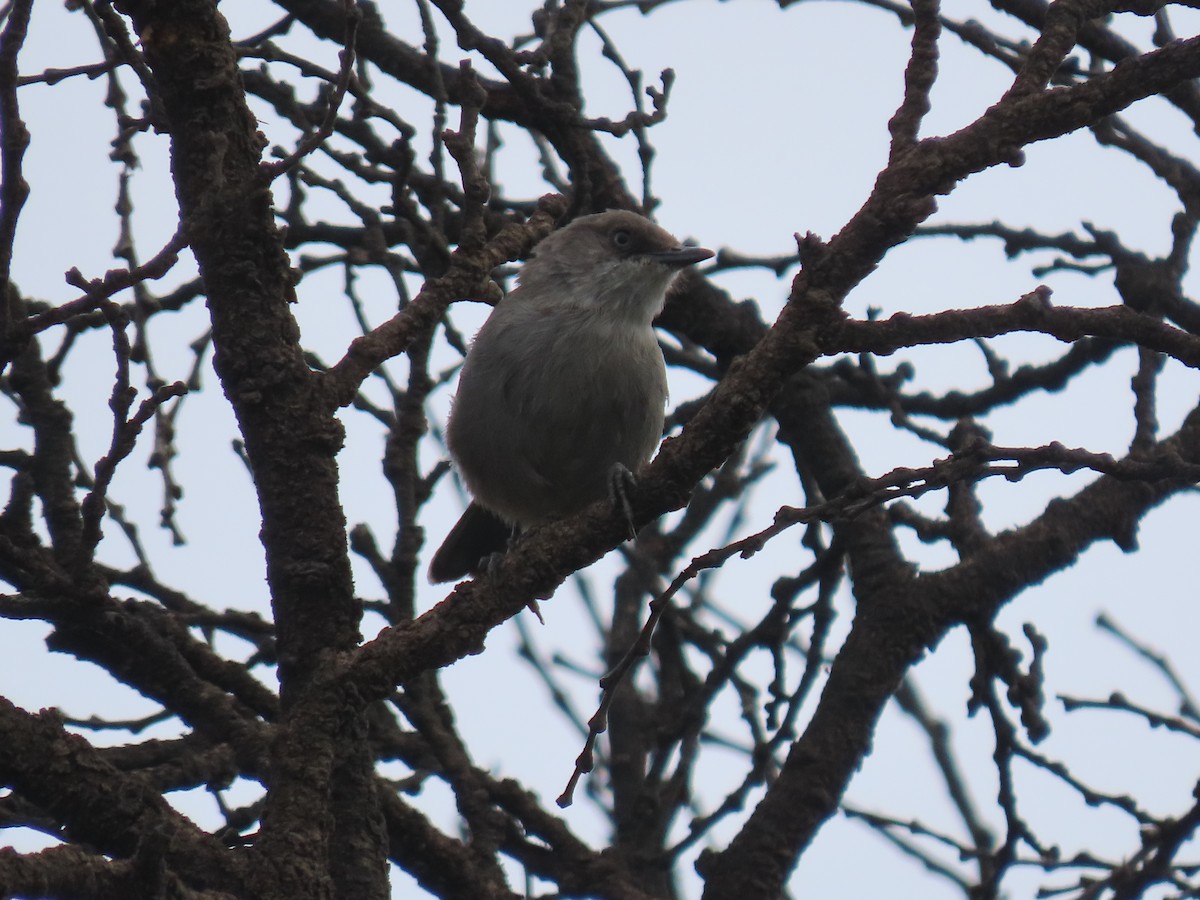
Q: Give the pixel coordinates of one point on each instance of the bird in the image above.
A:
(561, 397)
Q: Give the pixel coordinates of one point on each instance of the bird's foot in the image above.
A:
(620, 482)
(491, 562)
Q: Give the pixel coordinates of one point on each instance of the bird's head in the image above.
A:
(614, 261)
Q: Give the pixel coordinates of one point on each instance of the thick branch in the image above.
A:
(63, 774)
(291, 435)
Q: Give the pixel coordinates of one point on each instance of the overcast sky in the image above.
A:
(777, 125)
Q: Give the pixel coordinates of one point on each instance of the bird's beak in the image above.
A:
(682, 256)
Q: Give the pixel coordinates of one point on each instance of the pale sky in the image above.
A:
(777, 125)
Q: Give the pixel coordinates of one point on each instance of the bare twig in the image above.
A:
(345, 74)
(14, 139)
(919, 77)
(124, 433)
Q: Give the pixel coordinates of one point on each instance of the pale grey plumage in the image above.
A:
(564, 382)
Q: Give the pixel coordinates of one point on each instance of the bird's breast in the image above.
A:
(554, 402)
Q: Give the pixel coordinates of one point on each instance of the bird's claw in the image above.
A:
(620, 482)
(490, 563)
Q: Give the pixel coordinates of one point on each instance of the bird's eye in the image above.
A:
(622, 239)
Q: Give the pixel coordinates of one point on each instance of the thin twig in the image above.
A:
(14, 139)
(345, 74)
